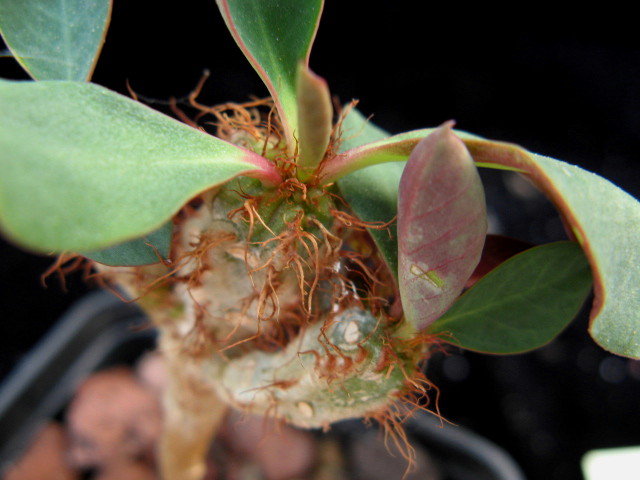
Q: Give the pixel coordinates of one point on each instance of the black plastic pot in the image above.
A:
(101, 331)
(97, 332)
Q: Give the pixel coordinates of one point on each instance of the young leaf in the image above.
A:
(522, 304)
(442, 223)
(55, 39)
(276, 36)
(372, 192)
(151, 248)
(100, 169)
(606, 222)
(315, 121)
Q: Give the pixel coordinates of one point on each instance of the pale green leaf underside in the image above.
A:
(522, 304)
(372, 192)
(363, 150)
(83, 168)
(55, 39)
(276, 36)
(605, 220)
(151, 248)
(357, 130)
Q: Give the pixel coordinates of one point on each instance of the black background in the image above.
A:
(564, 84)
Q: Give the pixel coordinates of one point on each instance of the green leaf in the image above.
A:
(98, 168)
(522, 304)
(55, 39)
(442, 224)
(276, 36)
(372, 193)
(151, 248)
(606, 222)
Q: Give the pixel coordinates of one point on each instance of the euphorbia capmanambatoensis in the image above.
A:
(303, 263)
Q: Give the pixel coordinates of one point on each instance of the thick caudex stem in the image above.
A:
(269, 306)
(193, 414)
(343, 367)
(274, 302)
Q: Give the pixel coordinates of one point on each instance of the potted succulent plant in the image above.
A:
(302, 263)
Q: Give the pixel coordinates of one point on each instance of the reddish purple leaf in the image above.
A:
(442, 224)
